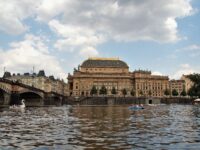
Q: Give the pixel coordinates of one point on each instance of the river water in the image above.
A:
(100, 127)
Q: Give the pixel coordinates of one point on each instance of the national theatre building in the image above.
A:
(112, 73)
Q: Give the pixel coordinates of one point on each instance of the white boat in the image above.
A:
(197, 101)
(22, 106)
(136, 107)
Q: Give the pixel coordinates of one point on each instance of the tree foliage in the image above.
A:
(113, 91)
(93, 90)
(195, 89)
(124, 92)
(167, 92)
(194, 78)
(141, 93)
(183, 93)
(132, 92)
(103, 90)
(149, 93)
(174, 92)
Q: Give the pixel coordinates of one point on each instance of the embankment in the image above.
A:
(127, 100)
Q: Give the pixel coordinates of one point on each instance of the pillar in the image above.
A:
(7, 99)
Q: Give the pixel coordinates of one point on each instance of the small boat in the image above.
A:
(135, 107)
(152, 104)
(15, 107)
(197, 101)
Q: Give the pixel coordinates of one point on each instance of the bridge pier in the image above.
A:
(4, 97)
(14, 99)
(53, 99)
(7, 99)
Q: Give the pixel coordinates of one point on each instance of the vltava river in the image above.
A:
(101, 127)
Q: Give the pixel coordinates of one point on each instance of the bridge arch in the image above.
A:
(31, 98)
(5, 89)
(30, 91)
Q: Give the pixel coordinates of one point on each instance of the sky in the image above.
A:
(56, 36)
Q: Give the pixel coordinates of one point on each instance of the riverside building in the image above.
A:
(114, 73)
(146, 84)
(188, 83)
(178, 85)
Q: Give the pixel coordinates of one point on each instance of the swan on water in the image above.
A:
(18, 106)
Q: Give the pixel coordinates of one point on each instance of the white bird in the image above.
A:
(18, 106)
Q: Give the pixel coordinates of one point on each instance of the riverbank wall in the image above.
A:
(115, 101)
(127, 100)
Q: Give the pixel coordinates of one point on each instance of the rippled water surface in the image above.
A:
(101, 127)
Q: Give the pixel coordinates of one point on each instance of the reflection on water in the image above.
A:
(101, 127)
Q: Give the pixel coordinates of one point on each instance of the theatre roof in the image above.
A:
(104, 63)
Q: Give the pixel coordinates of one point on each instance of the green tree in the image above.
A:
(195, 78)
(124, 92)
(192, 91)
(195, 89)
(132, 92)
(113, 91)
(93, 91)
(141, 93)
(183, 93)
(103, 90)
(174, 92)
(167, 92)
(150, 93)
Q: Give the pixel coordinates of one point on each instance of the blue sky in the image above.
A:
(161, 36)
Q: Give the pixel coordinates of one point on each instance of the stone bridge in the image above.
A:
(13, 92)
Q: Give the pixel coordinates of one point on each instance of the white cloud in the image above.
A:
(32, 51)
(193, 47)
(95, 23)
(122, 20)
(130, 20)
(82, 25)
(192, 50)
(76, 38)
(14, 12)
(89, 52)
(157, 73)
(31, 42)
(184, 69)
(50, 9)
(185, 66)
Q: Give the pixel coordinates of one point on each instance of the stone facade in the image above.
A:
(178, 85)
(112, 72)
(146, 84)
(188, 82)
